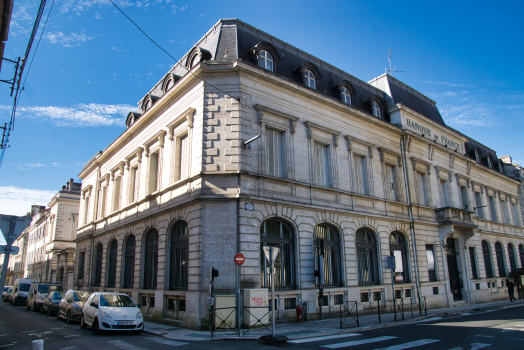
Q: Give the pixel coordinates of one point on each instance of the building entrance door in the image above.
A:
(454, 278)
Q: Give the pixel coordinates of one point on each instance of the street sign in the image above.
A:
(239, 259)
(271, 253)
(210, 301)
(14, 250)
(20, 223)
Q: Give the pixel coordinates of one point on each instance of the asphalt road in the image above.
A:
(497, 329)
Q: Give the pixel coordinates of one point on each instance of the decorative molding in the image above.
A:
(139, 154)
(349, 141)
(357, 140)
(293, 126)
(261, 108)
(409, 138)
(260, 117)
(335, 140)
(420, 165)
(187, 115)
(431, 150)
(468, 167)
(310, 124)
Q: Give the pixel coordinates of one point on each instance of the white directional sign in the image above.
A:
(20, 224)
(14, 250)
(271, 253)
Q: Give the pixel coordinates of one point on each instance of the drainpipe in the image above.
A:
(91, 261)
(239, 302)
(410, 212)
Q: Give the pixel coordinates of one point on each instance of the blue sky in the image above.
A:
(93, 66)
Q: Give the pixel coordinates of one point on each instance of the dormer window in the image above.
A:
(377, 112)
(309, 79)
(265, 60)
(148, 105)
(195, 61)
(490, 163)
(501, 168)
(170, 84)
(477, 156)
(346, 95)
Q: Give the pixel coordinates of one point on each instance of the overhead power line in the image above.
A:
(167, 53)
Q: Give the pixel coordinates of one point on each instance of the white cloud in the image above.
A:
(469, 115)
(443, 83)
(81, 115)
(17, 201)
(174, 8)
(183, 8)
(78, 6)
(25, 167)
(70, 40)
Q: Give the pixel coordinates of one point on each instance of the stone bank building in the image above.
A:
(368, 168)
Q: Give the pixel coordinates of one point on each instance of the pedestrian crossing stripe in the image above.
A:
(357, 342)
(327, 337)
(410, 344)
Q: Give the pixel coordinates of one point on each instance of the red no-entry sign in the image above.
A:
(239, 259)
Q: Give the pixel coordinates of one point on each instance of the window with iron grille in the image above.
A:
(407, 293)
(488, 266)
(398, 294)
(492, 284)
(331, 263)
(129, 262)
(430, 256)
(98, 265)
(367, 262)
(501, 263)
(364, 297)
(178, 257)
(377, 296)
(151, 260)
(398, 248)
(473, 260)
(111, 268)
(276, 233)
(151, 301)
(181, 305)
(144, 300)
(521, 253)
(170, 304)
(477, 285)
(290, 303)
(339, 299)
(511, 256)
(435, 290)
(324, 301)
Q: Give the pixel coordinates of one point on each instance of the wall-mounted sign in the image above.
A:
(250, 206)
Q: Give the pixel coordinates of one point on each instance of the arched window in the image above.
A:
(490, 162)
(511, 256)
(265, 60)
(377, 111)
(309, 79)
(500, 259)
(367, 262)
(151, 260)
(521, 253)
(170, 84)
(129, 262)
(178, 256)
(328, 237)
(148, 105)
(346, 95)
(195, 60)
(98, 265)
(488, 265)
(276, 233)
(399, 249)
(477, 155)
(111, 268)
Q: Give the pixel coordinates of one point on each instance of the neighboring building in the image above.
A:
(16, 267)
(340, 161)
(51, 248)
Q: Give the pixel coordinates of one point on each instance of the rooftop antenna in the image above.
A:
(392, 70)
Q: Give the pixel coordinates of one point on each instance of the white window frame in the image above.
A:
(346, 95)
(479, 206)
(154, 172)
(377, 111)
(322, 164)
(276, 157)
(493, 208)
(516, 217)
(309, 79)
(266, 60)
(323, 137)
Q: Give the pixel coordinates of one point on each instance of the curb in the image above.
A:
(360, 329)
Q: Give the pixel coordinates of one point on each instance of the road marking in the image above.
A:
(32, 333)
(69, 348)
(466, 314)
(166, 342)
(357, 342)
(1, 335)
(69, 336)
(123, 345)
(475, 346)
(427, 320)
(411, 344)
(2, 346)
(34, 330)
(517, 338)
(48, 332)
(307, 340)
(485, 336)
(57, 328)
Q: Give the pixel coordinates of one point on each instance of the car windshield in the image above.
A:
(46, 288)
(115, 300)
(81, 296)
(57, 296)
(24, 287)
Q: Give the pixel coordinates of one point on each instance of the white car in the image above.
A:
(111, 311)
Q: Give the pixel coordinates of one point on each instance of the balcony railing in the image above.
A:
(450, 215)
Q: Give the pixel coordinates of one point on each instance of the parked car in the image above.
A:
(20, 290)
(71, 305)
(50, 304)
(38, 292)
(7, 290)
(112, 311)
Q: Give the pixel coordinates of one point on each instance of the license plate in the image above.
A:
(124, 323)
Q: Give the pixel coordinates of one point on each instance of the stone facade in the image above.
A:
(50, 251)
(181, 180)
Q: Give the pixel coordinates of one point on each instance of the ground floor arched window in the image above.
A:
(111, 268)
(367, 260)
(511, 256)
(521, 253)
(129, 262)
(398, 248)
(179, 256)
(98, 265)
(500, 259)
(327, 237)
(488, 265)
(277, 233)
(150, 260)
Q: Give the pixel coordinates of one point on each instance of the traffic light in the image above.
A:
(214, 273)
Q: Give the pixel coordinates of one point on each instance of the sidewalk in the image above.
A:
(325, 327)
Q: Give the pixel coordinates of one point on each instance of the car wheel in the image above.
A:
(68, 318)
(49, 312)
(34, 308)
(83, 325)
(94, 327)
(58, 314)
(27, 307)
(42, 309)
